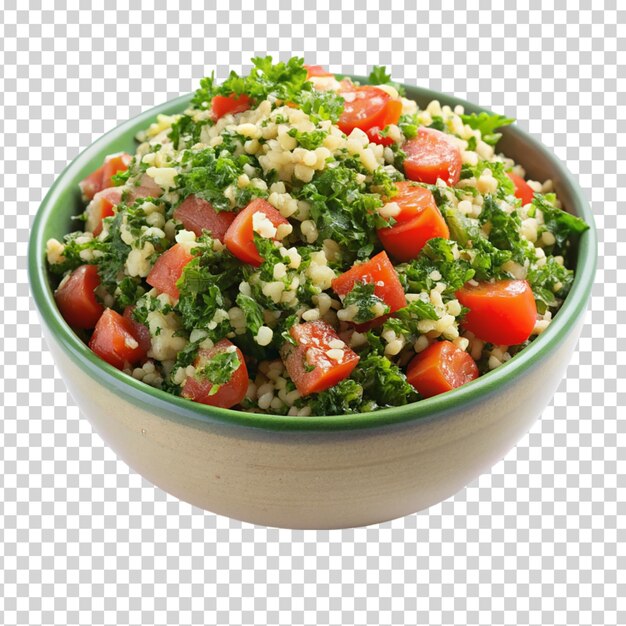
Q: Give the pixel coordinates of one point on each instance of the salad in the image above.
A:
(296, 243)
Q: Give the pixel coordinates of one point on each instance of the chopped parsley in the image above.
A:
(487, 124)
(368, 304)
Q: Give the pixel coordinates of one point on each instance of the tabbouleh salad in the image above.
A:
(298, 244)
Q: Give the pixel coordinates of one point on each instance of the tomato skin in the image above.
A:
(377, 270)
(502, 313)
(140, 331)
(239, 237)
(229, 394)
(419, 221)
(364, 108)
(102, 206)
(197, 215)
(146, 188)
(223, 105)
(313, 341)
(316, 70)
(432, 155)
(168, 269)
(523, 190)
(113, 340)
(392, 116)
(439, 368)
(76, 299)
(101, 178)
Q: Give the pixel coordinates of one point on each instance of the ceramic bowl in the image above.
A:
(312, 472)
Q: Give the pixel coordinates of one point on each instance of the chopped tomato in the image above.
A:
(523, 190)
(76, 299)
(102, 206)
(239, 237)
(113, 165)
(502, 313)
(145, 188)
(197, 215)
(227, 394)
(418, 221)
(377, 270)
(113, 340)
(140, 331)
(101, 178)
(392, 116)
(432, 155)
(223, 105)
(168, 269)
(319, 360)
(440, 367)
(316, 70)
(364, 108)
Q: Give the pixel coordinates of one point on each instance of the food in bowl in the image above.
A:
(300, 244)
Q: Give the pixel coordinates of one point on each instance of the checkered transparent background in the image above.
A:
(539, 540)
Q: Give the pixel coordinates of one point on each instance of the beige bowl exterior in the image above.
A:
(332, 479)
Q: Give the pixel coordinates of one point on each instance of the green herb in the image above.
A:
(362, 296)
(383, 382)
(128, 291)
(487, 124)
(344, 211)
(218, 369)
(565, 227)
(202, 285)
(209, 172)
(408, 125)
(252, 312)
(344, 398)
(436, 256)
(320, 105)
(309, 140)
(437, 123)
(120, 178)
(550, 283)
(504, 231)
(379, 76)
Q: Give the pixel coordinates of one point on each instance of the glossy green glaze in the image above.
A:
(63, 201)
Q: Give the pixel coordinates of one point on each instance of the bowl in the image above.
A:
(312, 472)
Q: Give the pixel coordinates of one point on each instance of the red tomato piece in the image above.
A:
(101, 178)
(377, 270)
(222, 105)
(112, 165)
(364, 108)
(502, 313)
(392, 116)
(91, 185)
(418, 221)
(140, 331)
(145, 188)
(239, 237)
(114, 342)
(440, 367)
(76, 299)
(314, 363)
(432, 155)
(523, 190)
(168, 269)
(197, 215)
(102, 206)
(228, 394)
(316, 70)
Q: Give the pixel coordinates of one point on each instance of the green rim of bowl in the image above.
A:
(63, 191)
